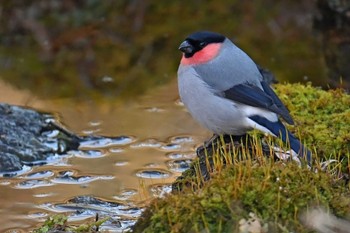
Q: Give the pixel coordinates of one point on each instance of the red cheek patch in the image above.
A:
(206, 54)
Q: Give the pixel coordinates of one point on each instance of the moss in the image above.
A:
(58, 223)
(277, 193)
(322, 117)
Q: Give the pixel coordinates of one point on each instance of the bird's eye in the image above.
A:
(202, 44)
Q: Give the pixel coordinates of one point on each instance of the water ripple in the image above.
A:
(180, 165)
(30, 184)
(95, 143)
(181, 139)
(39, 175)
(125, 194)
(149, 143)
(68, 177)
(171, 147)
(88, 153)
(122, 216)
(153, 174)
(160, 190)
(182, 155)
(121, 163)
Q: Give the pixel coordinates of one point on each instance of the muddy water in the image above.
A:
(159, 141)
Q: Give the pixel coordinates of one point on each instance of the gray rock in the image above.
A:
(28, 137)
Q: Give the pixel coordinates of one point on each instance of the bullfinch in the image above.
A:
(223, 89)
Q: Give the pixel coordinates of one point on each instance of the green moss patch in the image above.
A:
(58, 223)
(322, 117)
(273, 195)
(275, 192)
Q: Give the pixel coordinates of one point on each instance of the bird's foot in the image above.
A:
(208, 145)
(217, 140)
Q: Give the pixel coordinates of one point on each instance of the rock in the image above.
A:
(28, 137)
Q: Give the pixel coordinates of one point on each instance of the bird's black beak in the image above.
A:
(186, 47)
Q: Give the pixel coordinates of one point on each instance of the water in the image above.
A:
(153, 140)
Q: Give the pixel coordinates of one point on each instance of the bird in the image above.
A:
(224, 91)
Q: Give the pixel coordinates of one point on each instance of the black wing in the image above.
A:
(252, 95)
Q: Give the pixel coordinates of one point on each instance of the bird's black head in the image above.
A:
(198, 40)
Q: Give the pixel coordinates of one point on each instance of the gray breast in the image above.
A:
(218, 114)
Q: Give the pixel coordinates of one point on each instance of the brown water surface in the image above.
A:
(160, 136)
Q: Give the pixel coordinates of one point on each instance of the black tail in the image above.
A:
(278, 129)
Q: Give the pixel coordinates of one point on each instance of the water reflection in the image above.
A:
(151, 141)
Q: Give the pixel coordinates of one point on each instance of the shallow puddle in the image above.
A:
(151, 140)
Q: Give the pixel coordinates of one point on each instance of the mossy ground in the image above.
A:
(277, 193)
(322, 117)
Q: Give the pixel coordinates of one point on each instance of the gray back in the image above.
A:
(231, 67)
